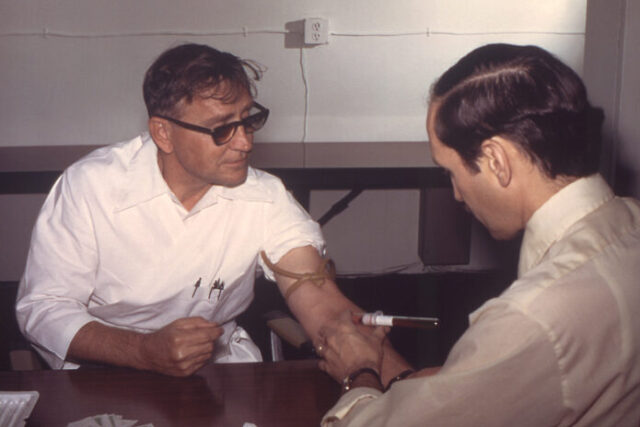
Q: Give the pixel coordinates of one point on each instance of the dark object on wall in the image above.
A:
(444, 228)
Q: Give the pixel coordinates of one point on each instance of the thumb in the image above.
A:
(381, 332)
(216, 332)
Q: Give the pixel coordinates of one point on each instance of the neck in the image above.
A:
(541, 189)
(188, 190)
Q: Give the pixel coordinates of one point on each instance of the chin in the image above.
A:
(503, 234)
(235, 181)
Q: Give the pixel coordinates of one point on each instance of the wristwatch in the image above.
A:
(349, 379)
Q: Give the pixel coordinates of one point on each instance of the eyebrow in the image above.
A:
(212, 122)
(215, 120)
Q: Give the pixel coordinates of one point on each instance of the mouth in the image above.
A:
(238, 163)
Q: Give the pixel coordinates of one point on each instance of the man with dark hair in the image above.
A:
(145, 251)
(561, 346)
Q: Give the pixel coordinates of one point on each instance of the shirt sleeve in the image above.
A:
(287, 226)
(501, 372)
(58, 280)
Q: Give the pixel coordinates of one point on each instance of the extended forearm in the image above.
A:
(179, 348)
(314, 300)
(330, 304)
(99, 343)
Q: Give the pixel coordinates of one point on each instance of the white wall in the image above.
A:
(72, 73)
(72, 70)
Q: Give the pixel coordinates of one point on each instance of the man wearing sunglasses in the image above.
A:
(146, 251)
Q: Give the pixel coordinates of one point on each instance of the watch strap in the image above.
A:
(349, 379)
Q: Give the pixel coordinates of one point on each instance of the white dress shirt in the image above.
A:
(113, 244)
(561, 346)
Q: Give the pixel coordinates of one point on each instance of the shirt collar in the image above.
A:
(551, 221)
(251, 190)
(143, 177)
(145, 182)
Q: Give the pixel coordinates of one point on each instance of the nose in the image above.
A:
(242, 141)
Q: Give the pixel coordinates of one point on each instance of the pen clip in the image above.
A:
(219, 285)
(196, 286)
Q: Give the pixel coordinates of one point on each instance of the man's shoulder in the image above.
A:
(264, 180)
(598, 249)
(614, 224)
(105, 172)
(264, 177)
(107, 160)
(260, 186)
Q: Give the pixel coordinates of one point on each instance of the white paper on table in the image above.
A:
(16, 406)
(106, 420)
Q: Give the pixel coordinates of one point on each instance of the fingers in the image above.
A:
(345, 347)
(181, 347)
(342, 323)
(320, 349)
(187, 367)
(214, 332)
(187, 323)
(198, 341)
(381, 332)
(331, 364)
(356, 318)
(197, 329)
(189, 358)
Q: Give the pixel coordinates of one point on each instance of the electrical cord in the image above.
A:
(245, 32)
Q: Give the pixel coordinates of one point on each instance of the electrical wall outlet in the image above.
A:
(316, 31)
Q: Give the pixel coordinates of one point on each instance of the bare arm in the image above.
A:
(317, 306)
(312, 305)
(178, 349)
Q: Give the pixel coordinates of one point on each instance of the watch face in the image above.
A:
(346, 383)
(348, 380)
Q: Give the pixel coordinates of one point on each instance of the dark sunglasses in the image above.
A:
(223, 134)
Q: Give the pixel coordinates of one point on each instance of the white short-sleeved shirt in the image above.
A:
(112, 243)
(561, 346)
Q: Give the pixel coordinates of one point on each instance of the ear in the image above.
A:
(160, 131)
(496, 155)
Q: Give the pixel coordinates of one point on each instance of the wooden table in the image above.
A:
(292, 393)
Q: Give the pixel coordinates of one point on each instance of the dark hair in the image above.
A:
(192, 70)
(526, 95)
